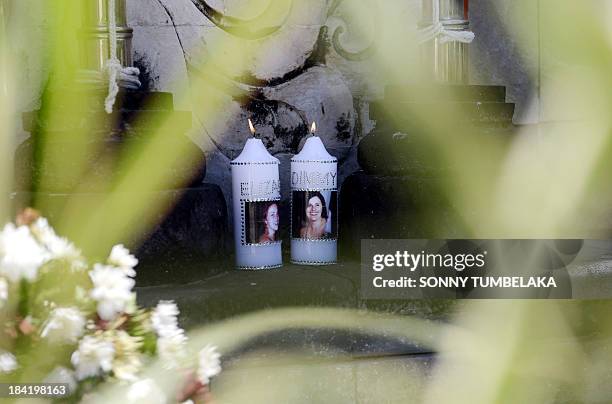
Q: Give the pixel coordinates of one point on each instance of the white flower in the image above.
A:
(172, 339)
(64, 324)
(131, 306)
(3, 291)
(209, 364)
(171, 348)
(164, 318)
(58, 247)
(127, 361)
(94, 357)
(8, 363)
(112, 289)
(121, 257)
(145, 391)
(20, 254)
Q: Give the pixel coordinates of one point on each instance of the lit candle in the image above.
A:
(256, 193)
(314, 204)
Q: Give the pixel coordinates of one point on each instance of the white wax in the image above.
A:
(255, 180)
(314, 170)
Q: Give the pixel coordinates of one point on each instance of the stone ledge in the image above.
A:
(369, 380)
(239, 292)
(236, 292)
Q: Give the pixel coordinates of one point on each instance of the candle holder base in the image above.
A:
(314, 263)
(259, 268)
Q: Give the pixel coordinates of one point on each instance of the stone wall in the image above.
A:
(326, 61)
(316, 67)
(319, 66)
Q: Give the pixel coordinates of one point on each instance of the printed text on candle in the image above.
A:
(260, 189)
(313, 179)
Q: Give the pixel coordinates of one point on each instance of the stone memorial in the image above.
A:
(196, 228)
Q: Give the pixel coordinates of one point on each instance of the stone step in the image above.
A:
(475, 112)
(445, 93)
(321, 379)
(402, 378)
(591, 271)
(81, 107)
(91, 165)
(77, 121)
(232, 293)
(80, 148)
(386, 151)
(195, 231)
(237, 292)
(398, 207)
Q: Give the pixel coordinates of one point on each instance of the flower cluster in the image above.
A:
(94, 357)
(171, 338)
(50, 295)
(20, 253)
(112, 290)
(64, 324)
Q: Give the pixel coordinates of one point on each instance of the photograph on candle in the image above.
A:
(314, 215)
(261, 222)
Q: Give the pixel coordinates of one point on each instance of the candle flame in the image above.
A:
(251, 127)
(313, 128)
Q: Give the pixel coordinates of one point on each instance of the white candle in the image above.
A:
(314, 204)
(256, 194)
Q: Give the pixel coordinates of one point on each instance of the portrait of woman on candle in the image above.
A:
(262, 220)
(312, 214)
(270, 220)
